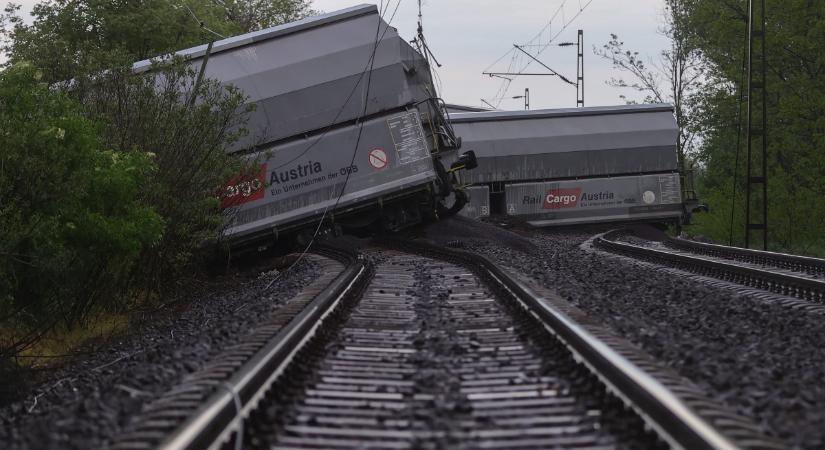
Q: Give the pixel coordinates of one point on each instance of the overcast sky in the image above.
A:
(467, 36)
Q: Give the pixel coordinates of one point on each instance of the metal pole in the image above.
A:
(545, 65)
(764, 130)
(757, 34)
(526, 99)
(199, 80)
(580, 71)
(750, 126)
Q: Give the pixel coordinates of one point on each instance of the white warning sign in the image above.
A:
(378, 158)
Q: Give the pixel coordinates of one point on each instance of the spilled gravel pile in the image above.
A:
(83, 404)
(764, 360)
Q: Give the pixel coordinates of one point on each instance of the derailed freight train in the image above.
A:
(347, 128)
(572, 166)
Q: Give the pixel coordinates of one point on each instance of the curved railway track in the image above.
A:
(425, 347)
(795, 263)
(794, 276)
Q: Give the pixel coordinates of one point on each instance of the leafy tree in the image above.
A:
(154, 112)
(72, 37)
(676, 77)
(94, 42)
(73, 220)
(796, 118)
(251, 15)
(129, 220)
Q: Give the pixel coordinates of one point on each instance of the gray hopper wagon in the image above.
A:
(336, 134)
(571, 166)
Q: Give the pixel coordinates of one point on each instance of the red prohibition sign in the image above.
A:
(378, 158)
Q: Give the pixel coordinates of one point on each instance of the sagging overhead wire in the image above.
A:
(201, 23)
(354, 89)
(367, 71)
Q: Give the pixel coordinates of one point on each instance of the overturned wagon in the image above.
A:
(347, 128)
(570, 166)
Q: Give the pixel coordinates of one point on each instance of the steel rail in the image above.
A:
(659, 406)
(782, 283)
(224, 411)
(784, 260)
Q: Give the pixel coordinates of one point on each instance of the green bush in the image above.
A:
(73, 218)
(108, 188)
(187, 129)
(795, 122)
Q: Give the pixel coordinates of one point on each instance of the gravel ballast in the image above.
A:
(427, 359)
(764, 360)
(86, 402)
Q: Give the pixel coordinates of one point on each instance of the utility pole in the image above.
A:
(526, 98)
(757, 135)
(579, 83)
(580, 71)
(202, 70)
(579, 67)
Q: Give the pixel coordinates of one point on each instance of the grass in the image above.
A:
(815, 249)
(62, 342)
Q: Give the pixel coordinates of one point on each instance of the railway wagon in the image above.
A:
(570, 166)
(346, 127)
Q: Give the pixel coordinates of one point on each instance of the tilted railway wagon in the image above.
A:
(569, 166)
(346, 126)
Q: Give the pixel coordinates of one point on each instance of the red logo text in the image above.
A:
(562, 198)
(244, 188)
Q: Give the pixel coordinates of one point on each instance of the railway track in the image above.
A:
(814, 267)
(789, 275)
(424, 347)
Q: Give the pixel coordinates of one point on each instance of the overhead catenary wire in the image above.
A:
(368, 70)
(421, 42)
(505, 85)
(340, 111)
(542, 46)
(201, 23)
(537, 36)
(379, 36)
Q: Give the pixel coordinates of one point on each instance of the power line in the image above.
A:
(504, 86)
(562, 77)
(201, 23)
(368, 69)
(343, 106)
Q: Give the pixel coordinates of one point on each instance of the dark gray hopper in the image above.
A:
(572, 166)
(301, 74)
(569, 143)
(334, 130)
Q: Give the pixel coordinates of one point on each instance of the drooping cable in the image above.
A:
(371, 64)
(201, 23)
(340, 111)
(738, 137)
